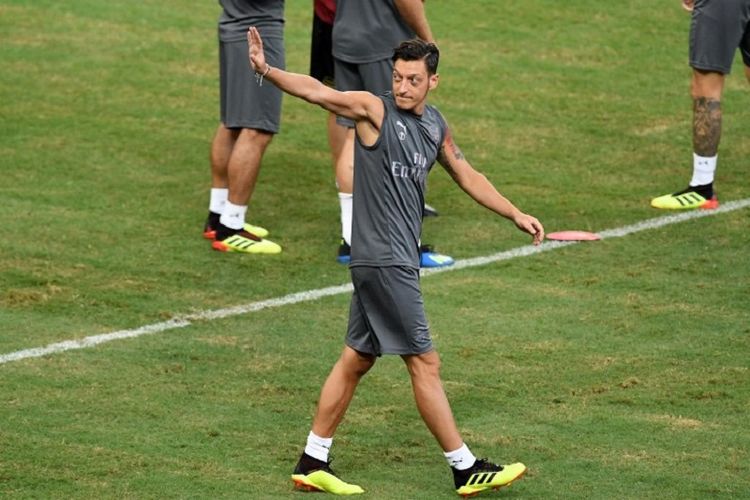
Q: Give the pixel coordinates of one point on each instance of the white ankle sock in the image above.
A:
(218, 200)
(345, 201)
(461, 458)
(233, 215)
(318, 447)
(703, 170)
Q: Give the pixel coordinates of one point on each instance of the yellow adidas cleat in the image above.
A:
(684, 200)
(245, 242)
(311, 474)
(484, 475)
(321, 480)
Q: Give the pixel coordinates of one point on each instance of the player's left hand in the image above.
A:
(255, 51)
(531, 225)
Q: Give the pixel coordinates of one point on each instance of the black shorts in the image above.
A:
(244, 103)
(717, 29)
(321, 59)
(387, 312)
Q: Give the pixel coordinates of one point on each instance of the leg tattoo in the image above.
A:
(706, 126)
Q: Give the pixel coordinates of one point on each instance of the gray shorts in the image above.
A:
(245, 104)
(387, 312)
(375, 77)
(717, 29)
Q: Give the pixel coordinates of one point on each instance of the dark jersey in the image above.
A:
(366, 31)
(238, 15)
(389, 185)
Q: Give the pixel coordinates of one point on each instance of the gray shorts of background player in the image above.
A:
(375, 77)
(387, 315)
(717, 29)
(244, 103)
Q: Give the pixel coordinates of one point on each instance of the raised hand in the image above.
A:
(255, 51)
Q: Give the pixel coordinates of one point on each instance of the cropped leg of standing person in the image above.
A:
(718, 28)
(322, 69)
(236, 155)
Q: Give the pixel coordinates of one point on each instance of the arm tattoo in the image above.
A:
(706, 126)
(448, 154)
(455, 149)
(446, 161)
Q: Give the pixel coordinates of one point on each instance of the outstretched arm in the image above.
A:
(357, 106)
(478, 187)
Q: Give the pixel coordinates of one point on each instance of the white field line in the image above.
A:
(310, 295)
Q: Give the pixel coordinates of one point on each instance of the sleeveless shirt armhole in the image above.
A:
(382, 129)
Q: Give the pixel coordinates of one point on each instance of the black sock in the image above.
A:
(308, 464)
(223, 232)
(213, 219)
(705, 190)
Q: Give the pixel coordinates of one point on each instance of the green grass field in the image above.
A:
(614, 369)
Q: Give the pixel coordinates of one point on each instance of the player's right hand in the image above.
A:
(255, 51)
(688, 5)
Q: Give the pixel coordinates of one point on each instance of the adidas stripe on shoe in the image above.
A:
(209, 231)
(485, 475)
(685, 200)
(245, 242)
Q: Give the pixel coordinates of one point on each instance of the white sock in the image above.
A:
(703, 169)
(318, 447)
(345, 201)
(218, 200)
(461, 458)
(233, 215)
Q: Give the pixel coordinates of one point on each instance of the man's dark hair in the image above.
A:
(417, 49)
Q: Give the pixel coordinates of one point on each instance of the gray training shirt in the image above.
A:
(239, 15)
(389, 182)
(366, 31)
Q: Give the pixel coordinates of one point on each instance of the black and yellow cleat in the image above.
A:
(687, 199)
(315, 475)
(484, 475)
(212, 222)
(245, 242)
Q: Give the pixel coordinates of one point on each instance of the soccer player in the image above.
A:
(250, 116)
(717, 28)
(398, 139)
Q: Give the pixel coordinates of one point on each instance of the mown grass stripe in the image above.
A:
(310, 295)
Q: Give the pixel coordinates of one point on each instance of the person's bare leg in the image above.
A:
(345, 161)
(244, 164)
(221, 151)
(338, 390)
(336, 138)
(706, 90)
(344, 170)
(431, 400)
